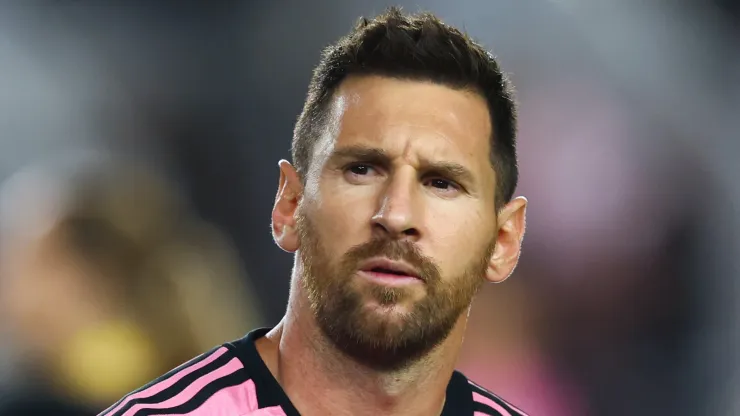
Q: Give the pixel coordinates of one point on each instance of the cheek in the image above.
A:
(457, 239)
(344, 214)
(332, 231)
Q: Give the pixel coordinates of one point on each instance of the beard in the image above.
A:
(390, 341)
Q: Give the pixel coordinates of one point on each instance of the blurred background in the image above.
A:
(138, 152)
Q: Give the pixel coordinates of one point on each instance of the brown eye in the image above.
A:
(360, 170)
(440, 184)
(360, 173)
(443, 187)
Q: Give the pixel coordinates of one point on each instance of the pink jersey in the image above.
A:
(232, 380)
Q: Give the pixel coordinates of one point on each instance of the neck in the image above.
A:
(321, 380)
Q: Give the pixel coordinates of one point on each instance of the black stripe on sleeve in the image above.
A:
(162, 378)
(179, 386)
(209, 390)
(485, 409)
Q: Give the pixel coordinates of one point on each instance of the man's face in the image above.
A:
(397, 221)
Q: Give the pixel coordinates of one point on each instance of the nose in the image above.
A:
(398, 215)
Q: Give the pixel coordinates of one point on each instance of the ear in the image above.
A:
(511, 225)
(288, 196)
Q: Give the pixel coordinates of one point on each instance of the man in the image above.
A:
(398, 208)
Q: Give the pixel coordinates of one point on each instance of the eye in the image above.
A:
(360, 173)
(360, 169)
(443, 186)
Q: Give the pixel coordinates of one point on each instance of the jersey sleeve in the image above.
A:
(213, 383)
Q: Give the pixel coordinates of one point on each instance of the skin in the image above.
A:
(431, 197)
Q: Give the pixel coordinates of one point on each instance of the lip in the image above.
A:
(389, 279)
(405, 269)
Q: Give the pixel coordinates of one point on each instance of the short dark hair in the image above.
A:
(415, 47)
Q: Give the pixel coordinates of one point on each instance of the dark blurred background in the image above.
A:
(139, 144)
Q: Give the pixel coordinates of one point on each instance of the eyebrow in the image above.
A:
(450, 170)
(361, 153)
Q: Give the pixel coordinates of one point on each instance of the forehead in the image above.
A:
(412, 118)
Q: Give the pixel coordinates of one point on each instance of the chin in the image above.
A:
(386, 321)
(392, 313)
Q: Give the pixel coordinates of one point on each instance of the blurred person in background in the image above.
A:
(107, 281)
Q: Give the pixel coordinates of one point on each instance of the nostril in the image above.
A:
(411, 232)
(383, 229)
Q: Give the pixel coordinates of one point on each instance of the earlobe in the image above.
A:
(286, 206)
(511, 227)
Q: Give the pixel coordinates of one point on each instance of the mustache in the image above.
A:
(394, 250)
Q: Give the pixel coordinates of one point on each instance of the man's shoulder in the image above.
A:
(485, 402)
(216, 382)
